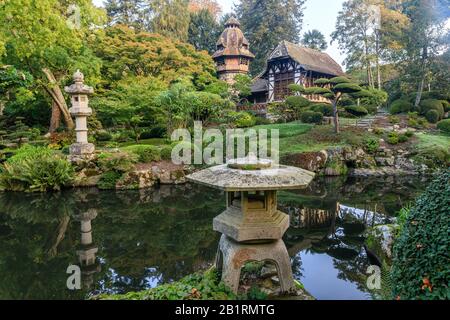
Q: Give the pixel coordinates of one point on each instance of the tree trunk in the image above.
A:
(55, 120)
(2, 107)
(336, 117)
(55, 92)
(378, 62)
(422, 77)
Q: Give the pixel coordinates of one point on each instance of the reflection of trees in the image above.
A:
(164, 234)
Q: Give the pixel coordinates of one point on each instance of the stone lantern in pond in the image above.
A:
(79, 93)
(252, 227)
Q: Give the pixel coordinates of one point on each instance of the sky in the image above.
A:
(319, 14)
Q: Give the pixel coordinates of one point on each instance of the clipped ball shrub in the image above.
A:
(103, 135)
(444, 125)
(432, 104)
(347, 88)
(420, 256)
(145, 153)
(400, 106)
(338, 80)
(446, 105)
(324, 108)
(358, 111)
(432, 116)
(311, 117)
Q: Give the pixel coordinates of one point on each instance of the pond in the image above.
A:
(144, 238)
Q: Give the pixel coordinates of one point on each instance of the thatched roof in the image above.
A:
(310, 59)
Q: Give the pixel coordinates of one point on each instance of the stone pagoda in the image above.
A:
(252, 227)
(232, 56)
(79, 93)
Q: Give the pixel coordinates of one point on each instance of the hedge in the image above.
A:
(420, 256)
(357, 111)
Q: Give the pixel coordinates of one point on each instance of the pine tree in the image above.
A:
(170, 18)
(133, 13)
(267, 23)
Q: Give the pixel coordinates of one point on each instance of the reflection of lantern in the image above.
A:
(88, 250)
(252, 227)
(80, 110)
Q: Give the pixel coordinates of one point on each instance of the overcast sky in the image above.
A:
(319, 14)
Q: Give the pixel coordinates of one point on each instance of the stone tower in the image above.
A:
(232, 56)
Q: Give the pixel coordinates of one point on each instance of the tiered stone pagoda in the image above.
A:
(233, 56)
(79, 93)
(252, 227)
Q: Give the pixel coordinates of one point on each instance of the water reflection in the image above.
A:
(132, 240)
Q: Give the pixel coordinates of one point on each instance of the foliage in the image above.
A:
(400, 106)
(155, 132)
(324, 108)
(311, 117)
(35, 169)
(267, 23)
(372, 145)
(166, 153)
(108, 180)
(119, 162)
(432, 116)
(145, 153)
(103, 135)
(358, 111)
(133, 13)
(314, 39)
(170, 18)
(198, 286)
(444, 125)
(393, 138)
(420, 266)
(242, 85)
(242, 119)
(203, 30)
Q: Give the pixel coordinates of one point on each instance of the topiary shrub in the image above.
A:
(103, 135)
(420, 256)
(145, 153)
(444, 125)
(446, 105)
(311, 117)
(324, 108)
(400, 106)
(432, 104)
(166, 153)
(357, 111)
(35, 169)
(432, 116)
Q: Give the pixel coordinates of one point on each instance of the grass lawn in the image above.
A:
(153, 142)
(428, 140)
(288, 129)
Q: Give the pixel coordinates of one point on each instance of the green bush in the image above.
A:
(311, 117)
(119, 162)
(420, 256)
(357, 111)
(372, 145)
(166, 153)
(432, 104)
(154, 133)
(446, 105)
(433, 157)
(108, 180)
(103, 136)
(444, 125)
(394, 119)
(403, 138)
(378, 131)
(145, 153)
(35, 169)
(393, 138)
(262, 121)
(324, 108)
(400, 106)
(432, 116)
(409, 134)
(243, 119)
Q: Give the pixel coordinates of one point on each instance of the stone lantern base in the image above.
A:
(232, 255)
(81, 149)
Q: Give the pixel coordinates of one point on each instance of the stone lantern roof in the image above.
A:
(250, 174)
(78, 87)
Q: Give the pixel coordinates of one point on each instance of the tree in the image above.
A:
(314, 39)
(266, 23)
(13, 82)
(334, 89)
(203, 31)
(133, 13)
(211, 6)
(424, 39)
(38, 38)
(170, 18)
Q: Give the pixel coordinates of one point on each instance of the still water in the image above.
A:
(133, 240)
